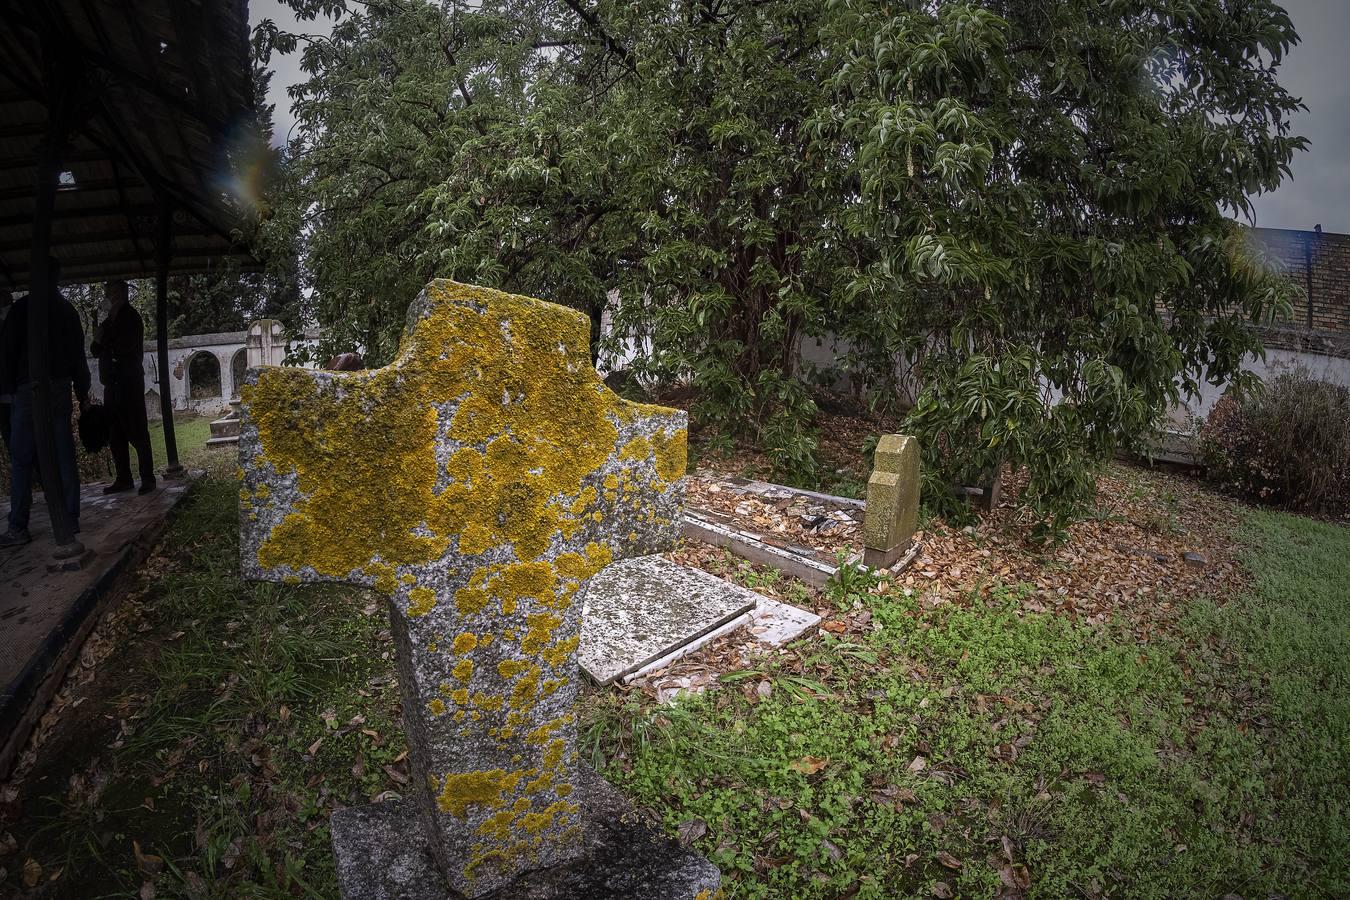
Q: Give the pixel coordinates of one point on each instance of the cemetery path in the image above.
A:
(1086, 720)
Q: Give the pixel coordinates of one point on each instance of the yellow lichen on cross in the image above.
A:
(374, 441)
(480, 481)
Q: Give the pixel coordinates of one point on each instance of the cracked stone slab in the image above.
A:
(772, 623)
(641, 610)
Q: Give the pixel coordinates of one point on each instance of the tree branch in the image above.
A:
(593, 22)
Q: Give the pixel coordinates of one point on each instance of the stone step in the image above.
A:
(225, 428)
(220, 441)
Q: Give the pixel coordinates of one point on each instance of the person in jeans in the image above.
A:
(118, 344)
(68, 371)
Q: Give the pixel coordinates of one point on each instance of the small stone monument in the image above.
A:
(265, 343)
(478, 481)
(892, 501)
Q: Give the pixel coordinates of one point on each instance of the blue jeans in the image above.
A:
(21, 453)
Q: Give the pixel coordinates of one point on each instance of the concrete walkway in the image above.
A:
(46, 612)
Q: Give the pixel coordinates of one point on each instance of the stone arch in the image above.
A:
(238, 366)
(203, 374)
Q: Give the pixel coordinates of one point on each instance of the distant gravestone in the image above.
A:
(265, 343)
(991, 491)
(479, 482)
(892, 511)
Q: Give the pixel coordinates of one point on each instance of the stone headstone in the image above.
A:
(991, 491)
(479, 481)
(892, 511)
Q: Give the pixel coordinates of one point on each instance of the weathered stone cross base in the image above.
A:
(382, 855)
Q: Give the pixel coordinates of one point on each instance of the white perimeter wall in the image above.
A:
(224, 348)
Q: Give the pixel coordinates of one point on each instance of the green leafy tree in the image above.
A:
(1020, 208)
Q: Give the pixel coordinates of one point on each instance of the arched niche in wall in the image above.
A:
(203, 374)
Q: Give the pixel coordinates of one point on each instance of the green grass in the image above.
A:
(1066, 758)
(1061, 759)
(208, 760)
(190, 436)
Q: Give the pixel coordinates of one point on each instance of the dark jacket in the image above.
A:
(119, 345)
(65, 347)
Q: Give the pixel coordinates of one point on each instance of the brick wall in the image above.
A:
(1319, 263)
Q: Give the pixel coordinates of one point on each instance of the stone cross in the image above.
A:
(265, 343)
(478, 481)
(892, 501)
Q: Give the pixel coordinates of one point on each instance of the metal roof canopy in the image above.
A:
(116, 117)
(161, 89)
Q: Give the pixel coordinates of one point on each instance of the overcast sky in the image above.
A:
(1317, 70)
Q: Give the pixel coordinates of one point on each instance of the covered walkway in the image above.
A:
(47, 607)
(124, 130)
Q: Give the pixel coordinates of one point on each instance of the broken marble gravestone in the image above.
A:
(478, 481)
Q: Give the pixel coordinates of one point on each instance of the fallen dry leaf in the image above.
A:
(148, 863)
(32, 872)
(808, 765)
(690, 831)
(946, 859)
(942, 890)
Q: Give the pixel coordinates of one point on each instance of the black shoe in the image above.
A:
(15, 537)
(118, 487)
(148, 486)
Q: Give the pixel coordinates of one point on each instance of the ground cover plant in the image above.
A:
(974, 741)
(984, 750)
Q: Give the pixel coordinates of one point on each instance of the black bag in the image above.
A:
(94, 425)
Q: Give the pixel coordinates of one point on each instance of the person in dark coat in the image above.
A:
(118, 344)
(6, 394)
(67, 369)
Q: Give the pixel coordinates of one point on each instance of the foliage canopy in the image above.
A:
(1011, 214)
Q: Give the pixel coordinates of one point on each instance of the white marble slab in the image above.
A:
(775, 623)
(641, 610)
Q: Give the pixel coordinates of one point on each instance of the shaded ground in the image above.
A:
(968, 734)
(43, 614)
(191, 433)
